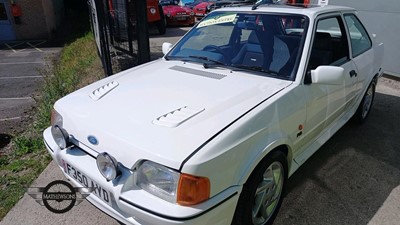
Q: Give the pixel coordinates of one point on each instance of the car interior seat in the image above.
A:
(250, 54)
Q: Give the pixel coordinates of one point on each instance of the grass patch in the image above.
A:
(77, 66)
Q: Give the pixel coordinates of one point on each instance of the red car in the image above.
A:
(176, 14)
(200, 10)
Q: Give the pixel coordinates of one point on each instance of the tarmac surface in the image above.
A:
(20, 78)
(353, 179)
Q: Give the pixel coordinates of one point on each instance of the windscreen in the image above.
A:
(262, 43)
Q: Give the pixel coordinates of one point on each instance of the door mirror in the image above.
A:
(332, 75)
(166, 47)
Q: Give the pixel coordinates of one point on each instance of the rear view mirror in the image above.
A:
(166, 47)
(332, 75)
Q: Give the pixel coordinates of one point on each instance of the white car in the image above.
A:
(210, 133)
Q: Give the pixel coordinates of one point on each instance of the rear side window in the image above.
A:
(360, 41)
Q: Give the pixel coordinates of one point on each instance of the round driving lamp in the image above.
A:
(107, 166)
(153, 11)
(60, 136)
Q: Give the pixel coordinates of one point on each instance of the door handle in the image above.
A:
(353, 73)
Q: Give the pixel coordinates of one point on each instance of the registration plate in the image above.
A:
(85, 181)
(199, 14)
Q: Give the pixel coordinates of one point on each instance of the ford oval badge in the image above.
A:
(93, 140)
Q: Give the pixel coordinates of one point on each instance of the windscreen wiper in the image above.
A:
(193, 58)
(255, 68)
(207, 65)
(172, 57)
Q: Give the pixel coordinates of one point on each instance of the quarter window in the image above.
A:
(360, 41)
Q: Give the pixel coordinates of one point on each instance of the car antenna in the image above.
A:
(264, 2)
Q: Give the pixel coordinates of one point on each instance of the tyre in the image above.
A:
(162, 24)
(262, 193)
(365, 106)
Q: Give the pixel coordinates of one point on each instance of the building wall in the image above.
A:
(54, 13)
(39, 20)
(49, 16)
(33, 21)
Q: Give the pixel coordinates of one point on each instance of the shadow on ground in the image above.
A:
(351, 176)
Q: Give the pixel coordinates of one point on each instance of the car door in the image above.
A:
(361, 52)
(6, 27)
(327, 102)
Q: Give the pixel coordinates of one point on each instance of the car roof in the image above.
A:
(311, 11)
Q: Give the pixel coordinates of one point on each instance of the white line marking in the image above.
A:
(40, 43)
(28, 43)
(34, 46)
(10, 47)
(22, 77)
(9, 63)
(13, 118)
(20, 43)
(20, 98)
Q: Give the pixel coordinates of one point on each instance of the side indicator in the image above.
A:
(300, 129)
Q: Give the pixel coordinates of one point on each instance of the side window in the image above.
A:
(330, 46)
(245, 35)
(360, 41)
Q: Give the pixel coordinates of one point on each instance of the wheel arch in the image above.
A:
(276, 146)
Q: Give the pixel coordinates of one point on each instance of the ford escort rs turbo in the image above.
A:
(210, 133)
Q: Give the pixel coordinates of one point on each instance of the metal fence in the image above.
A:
(120, 44)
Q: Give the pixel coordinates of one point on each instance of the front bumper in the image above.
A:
(135, 206)
(180, 19)
(199, 14)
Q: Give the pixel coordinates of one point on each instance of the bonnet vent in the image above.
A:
(202, 73)
(103, 90)
(177, 117)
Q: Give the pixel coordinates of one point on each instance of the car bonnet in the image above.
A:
(162, 111)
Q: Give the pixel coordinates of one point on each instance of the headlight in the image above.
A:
(172, 186)
(153, 10)
(158, 180)
(107, 165)
(60, 136)
(56, 118)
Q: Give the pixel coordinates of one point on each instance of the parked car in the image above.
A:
(176, 14)
(210, 133)
(186, 2)
(200, 9)
(232, 3)
(192, 4)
